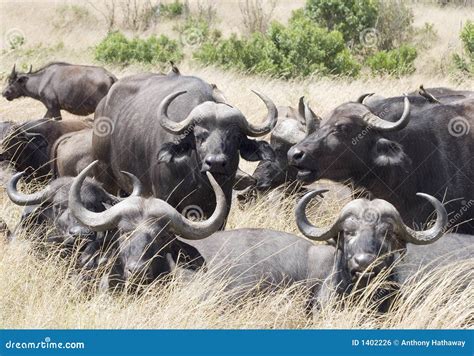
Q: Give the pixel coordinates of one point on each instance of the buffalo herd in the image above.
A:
(146, 186)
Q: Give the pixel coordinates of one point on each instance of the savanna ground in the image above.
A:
(38, 292)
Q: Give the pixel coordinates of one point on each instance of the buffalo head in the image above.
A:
(370, 234)
(50, 206)
(218, 132)
(349, 141)
(146, 227)
(16, 85)
(292, 127)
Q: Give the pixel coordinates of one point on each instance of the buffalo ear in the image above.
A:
(243, 180)
(170, 150)
(186, 254)
(389, 153)
(252, 150)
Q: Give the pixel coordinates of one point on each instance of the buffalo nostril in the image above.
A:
(364, 260)
(297, 155)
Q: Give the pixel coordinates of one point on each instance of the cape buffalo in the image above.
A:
(60, 86)
(372, 238)
(395, 158)
(146, 229)
(170, 129)
(49, 208)
(292, 127)
(71, 153)
(30, 145)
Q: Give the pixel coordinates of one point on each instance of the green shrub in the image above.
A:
(396, 62)
(301, 49)
(118, 49)
(350, 17)
(467, 37)
(171, 10)
(465, 62)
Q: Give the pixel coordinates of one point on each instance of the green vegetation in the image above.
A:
(118, 49)
(465, 62)
(300, 49)
(350, 17)
(396, 62)
(171, 10)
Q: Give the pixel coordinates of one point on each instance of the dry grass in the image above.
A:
(39, 293)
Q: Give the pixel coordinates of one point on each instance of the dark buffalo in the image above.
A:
(293, 126)
(30, 145)
(146, 230)
(49, 208)
(373, 240)
(169, 130)
(60, 86)
(394, 158)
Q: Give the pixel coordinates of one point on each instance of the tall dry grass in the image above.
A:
(40, 292)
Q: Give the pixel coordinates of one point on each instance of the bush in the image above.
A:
(118, 49)
(394, 62)
(68, 16)
(467, 37)
(350, 17)
(301, 49)
(256, 15)
(171, 10)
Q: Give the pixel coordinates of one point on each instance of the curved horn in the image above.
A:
(434, 233)
(137, 185)
(361, 98)
(26, 199)
(105, 220)
(168, 124)
(13, 70)
(378, 123)
(307, 229)
(312, 120)
(31, 69)
(272, 116)
(195, 230)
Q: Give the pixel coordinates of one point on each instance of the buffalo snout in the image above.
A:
(215, 163)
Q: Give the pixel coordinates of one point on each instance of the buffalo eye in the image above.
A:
(342, 129)
(201, 136)
(22, 80)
